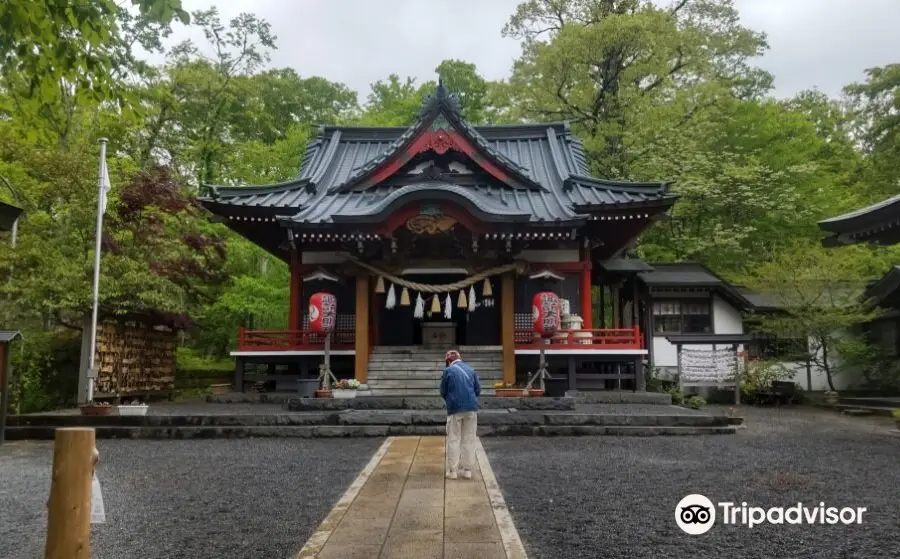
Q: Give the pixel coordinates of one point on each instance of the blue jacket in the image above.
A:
(460, 388)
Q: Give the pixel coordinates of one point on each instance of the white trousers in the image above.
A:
(461, 433)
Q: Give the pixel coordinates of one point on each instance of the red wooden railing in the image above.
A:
(597, 338)
(275, 340)
(287, 340)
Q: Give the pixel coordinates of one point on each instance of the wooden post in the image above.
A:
(507, 326)
(69, 507)
(295, 312)
(362, 327)
(238, 375)
(678, 363)
(737, 375)
(587, 306)
(5, 359)
(573, 380)
(615, 296)
(640, 381)
(602, 305)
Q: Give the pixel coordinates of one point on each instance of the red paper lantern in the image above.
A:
(545, 307)
(322, 313)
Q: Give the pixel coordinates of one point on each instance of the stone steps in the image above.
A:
(486, 402)
(415, 371)
(370, 423)
(334, 431)
(483, 372)
(373, 417)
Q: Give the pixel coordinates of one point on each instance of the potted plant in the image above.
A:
(95, 408)
(535, 392)
(135, 407)
(896, 415)
(507, 390)
(346, 388)
(324, 393)
(220, 389)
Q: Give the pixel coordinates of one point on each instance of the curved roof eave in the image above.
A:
(216, 192)
(848, 221)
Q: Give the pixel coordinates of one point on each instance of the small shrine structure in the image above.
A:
(440, 235)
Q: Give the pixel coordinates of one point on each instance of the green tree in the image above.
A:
(56, 45)
(630, 74)
(820, 291)
(877, 124)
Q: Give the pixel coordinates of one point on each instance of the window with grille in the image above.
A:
(682, 317)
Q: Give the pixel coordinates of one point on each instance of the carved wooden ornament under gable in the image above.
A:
(430, 222)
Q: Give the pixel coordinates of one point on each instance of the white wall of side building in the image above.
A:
(844, 379)
(726, 319)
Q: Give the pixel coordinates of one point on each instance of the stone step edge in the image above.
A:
(371, 417)
(333, 431)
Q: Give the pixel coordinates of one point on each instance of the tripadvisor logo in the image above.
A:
(696, 514)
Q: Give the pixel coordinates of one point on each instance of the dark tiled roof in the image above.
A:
(761, 301)
(879, 223)
(7, 336)
(682, 274)
(885, 289)
(692, 275)
(689, 339)
(625, 265)
(8, 216)
(545, 159)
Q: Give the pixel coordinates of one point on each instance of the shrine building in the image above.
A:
(438, 236)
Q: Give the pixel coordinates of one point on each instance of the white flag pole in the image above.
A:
(103, 187)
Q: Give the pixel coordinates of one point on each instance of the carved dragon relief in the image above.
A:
(425, 224)
(430, 221)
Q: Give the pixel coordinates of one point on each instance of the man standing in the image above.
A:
(460, 390)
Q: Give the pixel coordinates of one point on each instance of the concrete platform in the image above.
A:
(402, 506)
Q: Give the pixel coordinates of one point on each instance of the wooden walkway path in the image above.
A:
(402, 506)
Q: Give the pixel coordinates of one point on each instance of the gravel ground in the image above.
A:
(615, 497)
(197, 499)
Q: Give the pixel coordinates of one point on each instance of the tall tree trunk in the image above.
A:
(825, 364)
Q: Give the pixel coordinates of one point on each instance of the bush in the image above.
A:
(45, 371)
(652, 380)
(758, 377)
(677, 396)
(696, 402)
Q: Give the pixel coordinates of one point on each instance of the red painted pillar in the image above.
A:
(295, 314)
(587, 305)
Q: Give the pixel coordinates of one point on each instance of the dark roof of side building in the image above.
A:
(689, 275)
(878, 223)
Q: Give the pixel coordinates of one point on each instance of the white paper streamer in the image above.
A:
(98, 511)
(708, 365)
(391, 299)
(448, 308)
(472, 298)
(419, 311)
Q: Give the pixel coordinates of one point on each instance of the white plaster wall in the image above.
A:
(726, 320)
(843, 380)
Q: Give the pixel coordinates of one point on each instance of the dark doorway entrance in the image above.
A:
(399, 327)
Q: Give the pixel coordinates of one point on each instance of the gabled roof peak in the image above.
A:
(441, 98)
